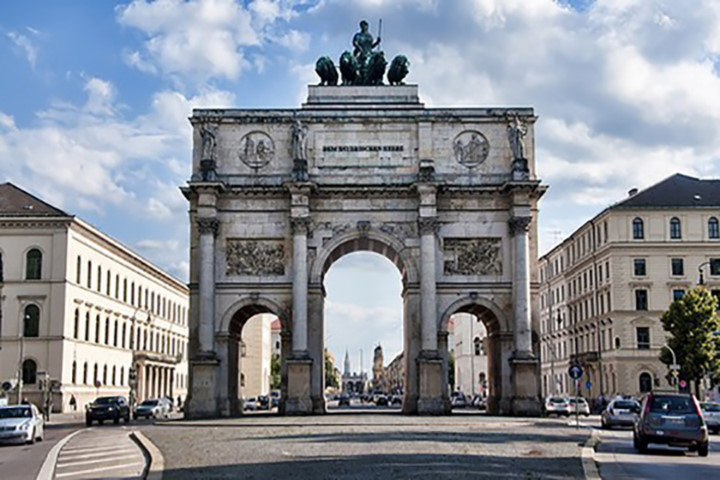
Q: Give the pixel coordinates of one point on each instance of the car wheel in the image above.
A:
(31, 440)
(127, 419)
(642, 445)
(703, 449)
(135, 416)
(116, 420)
(101, 422)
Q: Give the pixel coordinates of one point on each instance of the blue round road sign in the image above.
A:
(575, 372)
(588, 384)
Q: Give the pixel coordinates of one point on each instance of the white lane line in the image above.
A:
(127, 449)
(88, 449)
(48, 466)
(93, 470)
(101, 460)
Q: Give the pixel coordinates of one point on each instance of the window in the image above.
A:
(97, 329)
(76, 326)
(89, 279)
(113, 375)
(125, 290)
(115, 334)
(117, 287)
(642, 335)
(31, 321)
(95, 375)
(85, 372)
(645, 382)
(639, 267)
(641, 299)
(29, 372)
(78, 269)
(678, 294)
(99, 280)
(87, 327)
(715, 266)
(74, 373)
(107, 283)
(638, 229)
(677, 266)
(123, 334)
(33, 265)
(107, 331)
(675, 230)
(105, 377)
(716, 294)
(713, 228)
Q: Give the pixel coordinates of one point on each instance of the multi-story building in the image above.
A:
(605, 287)
(80, 309)
(468, 344)
(257, 351)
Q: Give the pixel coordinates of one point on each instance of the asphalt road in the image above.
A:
(618, 460)
(23, 462)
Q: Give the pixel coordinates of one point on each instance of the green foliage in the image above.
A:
(331, 379)
(692, 321)
(451, 370)
(275, 372)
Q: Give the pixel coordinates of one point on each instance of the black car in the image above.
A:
(108, 408)
(263, 402)
(343, 400)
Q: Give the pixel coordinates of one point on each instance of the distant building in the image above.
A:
(469, 345)
(84, 309)
(276, 336)
(378, 381)
(394, 375)
(257, 351)
(352, 382)
(604, 288)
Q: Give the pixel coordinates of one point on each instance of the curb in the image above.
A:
(155, 462)
(47, 470)
(588, 457)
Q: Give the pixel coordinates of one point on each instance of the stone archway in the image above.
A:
(449, 196)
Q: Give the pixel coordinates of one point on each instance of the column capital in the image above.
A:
(208, 225)
(428, 225)
(299, 225)
(519, 224)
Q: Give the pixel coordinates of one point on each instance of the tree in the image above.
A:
(451, 370)
(692, 321)
(275, 379)
(330, 377)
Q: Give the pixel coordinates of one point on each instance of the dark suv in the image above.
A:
(108, 408)
(671, 419)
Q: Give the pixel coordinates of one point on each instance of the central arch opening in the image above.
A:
(363, 328)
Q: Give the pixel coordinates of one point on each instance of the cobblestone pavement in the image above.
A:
(370, 446)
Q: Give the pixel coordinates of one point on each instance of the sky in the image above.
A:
(94, 100)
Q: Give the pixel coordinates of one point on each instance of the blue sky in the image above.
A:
(95, 95)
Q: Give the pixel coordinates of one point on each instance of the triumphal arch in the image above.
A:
(449, 195)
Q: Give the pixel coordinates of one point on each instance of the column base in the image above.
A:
(201, 401)
(430, 399)
(298, 401)
(525, 399)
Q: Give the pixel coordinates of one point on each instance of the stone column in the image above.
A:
(300, 286)
(519, 227)
(428, 294)
(208, 228)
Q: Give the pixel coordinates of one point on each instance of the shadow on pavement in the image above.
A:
(381, 467)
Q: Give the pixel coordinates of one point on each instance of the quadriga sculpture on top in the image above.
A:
(365, 65)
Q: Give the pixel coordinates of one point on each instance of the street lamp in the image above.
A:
(713, 263)
(674, 367)
(25, 318)
(553, 357)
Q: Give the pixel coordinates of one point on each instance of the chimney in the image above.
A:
(632, 192)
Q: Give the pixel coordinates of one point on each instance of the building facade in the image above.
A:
(257, 351)
(469, 338)
(353, 382)
(605, 287)
(82, 310)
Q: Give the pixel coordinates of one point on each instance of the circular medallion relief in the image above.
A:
(256, 149)
(471, 148)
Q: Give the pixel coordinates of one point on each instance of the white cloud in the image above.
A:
(150, 244)
(7, 122)
(24, 44)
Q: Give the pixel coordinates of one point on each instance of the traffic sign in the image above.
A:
(674, 366)
(683, 384)
(588, 384)
(575, 371)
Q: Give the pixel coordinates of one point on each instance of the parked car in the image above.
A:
(263, 402)
(155, 408)
(396, 400)
(381, 401)
(671, 419)
(620, 413)
(711, 412)
(250, 403)
(479, 402)
(21, 424)
(108, 408)
(580, 404)
(557, 406)
(459, 401)
(343, 401)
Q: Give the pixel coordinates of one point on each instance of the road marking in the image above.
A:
(98, 454)
(48, 466)
(93, 470)
(88, 449)
(88, 462)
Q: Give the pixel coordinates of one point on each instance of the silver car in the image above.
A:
(711, 413)
(557, 406)
(579, 404)
(21, 424)
(620, 413)
(153, 408)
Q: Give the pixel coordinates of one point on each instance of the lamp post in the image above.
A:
(674, 367)
(714, 265)
(553, 357)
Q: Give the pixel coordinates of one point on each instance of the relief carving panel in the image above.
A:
(472, 256)
(255, 257)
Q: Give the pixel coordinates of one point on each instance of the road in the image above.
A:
(23, 462)
(618, 460)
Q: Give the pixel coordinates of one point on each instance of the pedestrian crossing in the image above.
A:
(100, 453)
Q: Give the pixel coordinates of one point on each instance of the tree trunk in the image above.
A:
(697, 388)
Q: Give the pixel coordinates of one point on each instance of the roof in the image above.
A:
(676, 191)
(16, 202)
